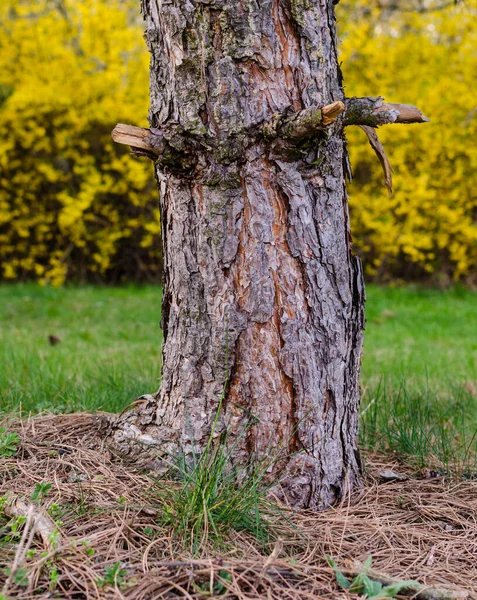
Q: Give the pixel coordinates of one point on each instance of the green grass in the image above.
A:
(416, 334)
(420, 375)
(419, 367)
(109, 353)
(210, 502)
(429, 426)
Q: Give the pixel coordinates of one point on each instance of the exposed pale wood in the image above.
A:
(406, 113)
(136, 137)
(308, 121)
(44, 525)
(22, 548)
(331, 112)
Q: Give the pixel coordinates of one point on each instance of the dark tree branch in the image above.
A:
(370, 113)
(378, 148)
(373, 112)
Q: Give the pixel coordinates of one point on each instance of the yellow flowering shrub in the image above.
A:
(73, 205)
(429, 59)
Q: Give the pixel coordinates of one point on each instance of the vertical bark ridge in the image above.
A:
(267, 289)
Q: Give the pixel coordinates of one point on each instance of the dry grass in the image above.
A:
(415, 529)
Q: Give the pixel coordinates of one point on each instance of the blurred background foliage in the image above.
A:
(73, 205)
(76, 207)
(424, 53)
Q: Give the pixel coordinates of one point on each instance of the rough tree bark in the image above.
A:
(263, 301)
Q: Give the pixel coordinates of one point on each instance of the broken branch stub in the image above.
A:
(171, 146)
(370, 113)
(406, 113)
(373, 112)
(136, 137)
(304, 123)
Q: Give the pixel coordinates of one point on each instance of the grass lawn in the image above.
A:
(419, 375)
(418, 334)
(419, 370)
(109, 352)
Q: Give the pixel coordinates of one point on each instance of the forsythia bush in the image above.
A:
(73, 205)
(429, 225)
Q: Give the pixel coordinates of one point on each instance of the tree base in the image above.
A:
(134, 437)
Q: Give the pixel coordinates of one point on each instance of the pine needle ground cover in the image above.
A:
(76, 523)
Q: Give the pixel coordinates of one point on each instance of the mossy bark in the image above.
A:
(262, 297)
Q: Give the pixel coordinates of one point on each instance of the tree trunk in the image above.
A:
(263, 301)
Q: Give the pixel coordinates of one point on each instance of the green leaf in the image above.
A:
(21, 577)
(367, 564)
(367, 585)
(392, 590)
(359, 584)
(9, 442)
(374, 589)
(40, 491)
(340, 578)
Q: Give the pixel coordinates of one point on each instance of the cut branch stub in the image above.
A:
(136, 137)
(142, 141)
(372, 112)
(170, 146)
(331, 112)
